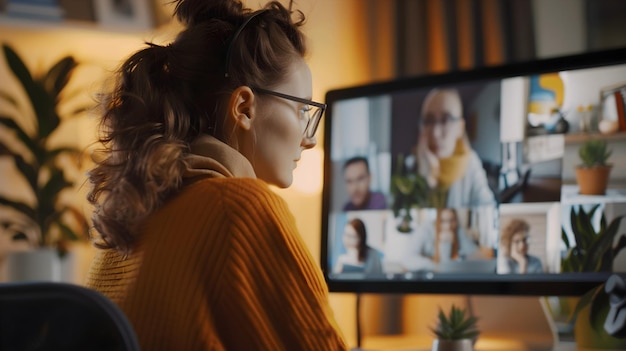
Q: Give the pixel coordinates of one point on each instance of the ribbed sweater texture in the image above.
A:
(221, 266)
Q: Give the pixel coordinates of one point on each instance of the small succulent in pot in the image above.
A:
(594, 152)
(456, 330)
(593, 174)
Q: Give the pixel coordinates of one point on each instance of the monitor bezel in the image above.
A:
(570, 284)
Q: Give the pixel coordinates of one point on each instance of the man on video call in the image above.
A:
(357, 177)
(445, 158)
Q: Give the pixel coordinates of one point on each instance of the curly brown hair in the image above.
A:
(514, 226)
(164, 97)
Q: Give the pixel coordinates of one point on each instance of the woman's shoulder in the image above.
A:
(474, 159)
(209, 182)
(372, 253)
(371, 249)
(234, 193)
(231, 204)
(226, 187)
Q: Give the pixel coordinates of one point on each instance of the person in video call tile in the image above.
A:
(447, 241)
(514, 257)
(193, 244)
(359, 257)
(445, 157)
(356, 173)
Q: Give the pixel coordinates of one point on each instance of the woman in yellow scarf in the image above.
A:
(445, 158)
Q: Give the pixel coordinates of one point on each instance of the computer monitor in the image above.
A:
(464, 182)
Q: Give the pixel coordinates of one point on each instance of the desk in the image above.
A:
(506, 324)
(504, 342)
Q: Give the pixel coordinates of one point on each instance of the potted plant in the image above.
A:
(592, 175)
(409, 190)
(455, 331)
(592, 314)
(593, 250)
(45, 222)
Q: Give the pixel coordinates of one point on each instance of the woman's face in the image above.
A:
(442, 122)
(519, 243)
(277, 131)
(350, 237)
(447, 221)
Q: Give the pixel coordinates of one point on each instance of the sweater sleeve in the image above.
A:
(272, 295)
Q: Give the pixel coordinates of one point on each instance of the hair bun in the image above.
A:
(192, 12)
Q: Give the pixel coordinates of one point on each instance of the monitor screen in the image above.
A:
(465, 182)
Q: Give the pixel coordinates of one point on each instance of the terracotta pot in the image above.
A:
(453, 345)
(592, 180)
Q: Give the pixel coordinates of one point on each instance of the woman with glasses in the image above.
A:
(445, 158)
(195, 247)
(513, 256)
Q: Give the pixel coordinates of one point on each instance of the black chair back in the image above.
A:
(61, 316)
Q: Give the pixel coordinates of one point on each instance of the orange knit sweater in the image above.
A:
(221, 267)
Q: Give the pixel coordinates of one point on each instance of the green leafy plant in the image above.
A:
(35, 159)
(456, 325)
(594, 152)
(409, 190)
(592, 250)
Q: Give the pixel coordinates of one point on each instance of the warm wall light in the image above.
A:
(307, 177)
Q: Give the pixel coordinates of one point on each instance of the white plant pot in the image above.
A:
(42, 264)
(453, 345)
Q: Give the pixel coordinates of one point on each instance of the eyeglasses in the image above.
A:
(311, 115)
(524, 240)
(447, 120)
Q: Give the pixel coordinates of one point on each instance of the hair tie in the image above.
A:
(234, 38)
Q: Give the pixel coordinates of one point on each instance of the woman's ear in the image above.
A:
(241, 107)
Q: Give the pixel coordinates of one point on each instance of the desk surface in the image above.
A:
(510, 342)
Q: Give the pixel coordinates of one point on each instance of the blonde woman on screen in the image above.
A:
(445, 158)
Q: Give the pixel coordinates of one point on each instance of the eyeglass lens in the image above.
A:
(431, 121)
(313, 122)
(312, 119)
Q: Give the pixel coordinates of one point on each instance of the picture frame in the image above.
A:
(77, 10)
(125, 14)
(42, 10)
(612, 106)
